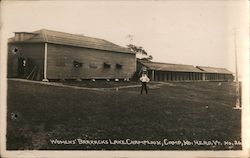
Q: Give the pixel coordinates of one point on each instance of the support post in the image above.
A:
(153, 75)
(237, 104)
(203, 76)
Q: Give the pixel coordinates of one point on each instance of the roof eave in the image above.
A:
(28, 41)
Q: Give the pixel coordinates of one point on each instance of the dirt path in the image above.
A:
(56, 84)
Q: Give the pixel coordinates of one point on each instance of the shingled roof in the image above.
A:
(62, 38)
(168, 67)
(214, 70)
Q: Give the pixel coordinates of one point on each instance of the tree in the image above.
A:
(140, 51)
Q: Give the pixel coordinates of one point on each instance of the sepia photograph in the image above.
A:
(112, 77)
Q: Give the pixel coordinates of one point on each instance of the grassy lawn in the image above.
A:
(174, 111)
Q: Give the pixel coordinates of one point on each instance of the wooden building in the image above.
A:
(216, 74)
(46, 54)
(169, 72)
(178, 72)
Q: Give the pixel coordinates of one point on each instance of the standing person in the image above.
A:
(144, 80)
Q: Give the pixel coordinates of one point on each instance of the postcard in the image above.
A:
(125, 78)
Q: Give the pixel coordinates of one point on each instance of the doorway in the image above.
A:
(24, 67)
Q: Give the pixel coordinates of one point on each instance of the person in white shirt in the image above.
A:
(144, 80)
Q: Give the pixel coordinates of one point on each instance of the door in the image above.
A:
(21, 67)
(24, 67)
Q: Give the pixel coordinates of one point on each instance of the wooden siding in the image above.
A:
(61, 59)
(175, 76)
(32, 51)
(156, 75)
(218, 77)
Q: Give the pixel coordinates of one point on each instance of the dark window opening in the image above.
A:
(77, 64)
(118, 66)
(106, 65)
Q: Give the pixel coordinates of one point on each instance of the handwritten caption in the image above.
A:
(164, 142)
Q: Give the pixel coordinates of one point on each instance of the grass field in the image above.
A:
(39, 113)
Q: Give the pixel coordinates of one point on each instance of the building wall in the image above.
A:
(175, 76)
(61, 63)
(218, 77)
(31, 52)
(189, 76)
(156, 75)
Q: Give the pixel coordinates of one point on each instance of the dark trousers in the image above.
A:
(144, 86)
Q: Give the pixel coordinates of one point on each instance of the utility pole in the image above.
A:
(235, 51)
(237, 105)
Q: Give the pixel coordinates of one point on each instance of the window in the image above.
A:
(118, 66)
(77, 64)
(106, 65)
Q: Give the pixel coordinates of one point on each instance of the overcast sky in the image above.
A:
(185, 32)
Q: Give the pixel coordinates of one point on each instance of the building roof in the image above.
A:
(214, 70)
(62, 38)
(168, 67)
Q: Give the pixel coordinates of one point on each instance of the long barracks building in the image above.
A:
(178, 72)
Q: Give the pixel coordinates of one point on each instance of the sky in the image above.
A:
(189, 32)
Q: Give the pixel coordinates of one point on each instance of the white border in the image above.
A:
(76, 153)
